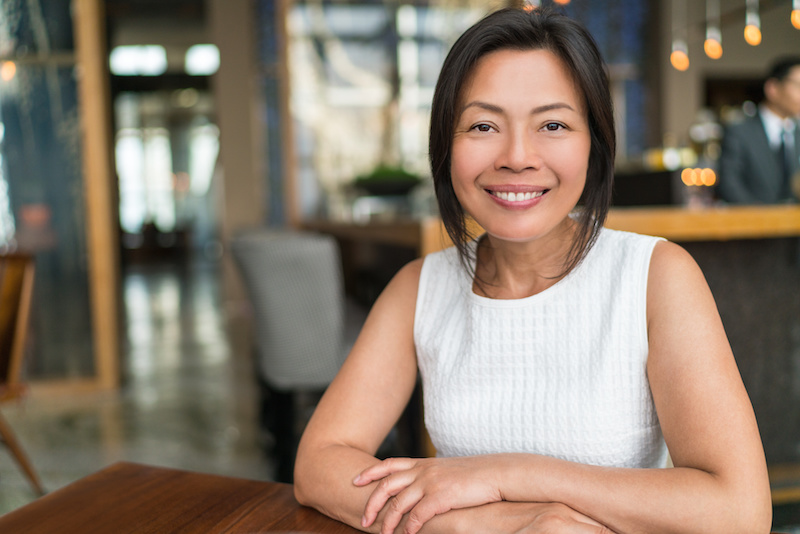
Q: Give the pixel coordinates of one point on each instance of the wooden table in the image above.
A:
(135, 498)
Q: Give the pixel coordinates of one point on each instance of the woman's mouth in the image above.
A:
(510, 196)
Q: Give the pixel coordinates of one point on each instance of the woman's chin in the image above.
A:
(528, 234)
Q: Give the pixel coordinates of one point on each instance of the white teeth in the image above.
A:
(516, 197)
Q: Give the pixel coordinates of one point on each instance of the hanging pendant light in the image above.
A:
(561, 2)
(752, 29)
(796, 14)
(679, 57)
(713, 42)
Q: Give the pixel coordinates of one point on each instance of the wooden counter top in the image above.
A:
(675, 223)
(709, 224)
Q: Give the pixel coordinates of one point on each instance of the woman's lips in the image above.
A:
(516, 197)
(519, 196)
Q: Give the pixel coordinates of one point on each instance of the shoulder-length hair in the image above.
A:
(517, 29)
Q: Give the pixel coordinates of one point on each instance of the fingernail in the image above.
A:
(364, 521)
(357, 479)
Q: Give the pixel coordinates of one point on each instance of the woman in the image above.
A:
(559, 360)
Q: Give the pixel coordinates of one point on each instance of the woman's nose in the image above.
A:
(518, 153)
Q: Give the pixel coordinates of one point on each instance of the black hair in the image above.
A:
(518, 29)
(781, 68)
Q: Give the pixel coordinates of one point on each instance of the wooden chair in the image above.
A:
(16, 290)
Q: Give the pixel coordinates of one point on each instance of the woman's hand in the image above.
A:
(512, 518)
(423, 488)
(557, 518)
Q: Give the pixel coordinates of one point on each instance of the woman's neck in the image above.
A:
(513, 270)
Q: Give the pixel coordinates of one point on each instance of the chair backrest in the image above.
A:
(16, 290)
(295, 284)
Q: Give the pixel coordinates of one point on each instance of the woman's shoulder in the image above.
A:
(407, 277)
(407, 281)
(666, 259)
(674, 278)
(616, 238)
(671, 261)
(616, 248)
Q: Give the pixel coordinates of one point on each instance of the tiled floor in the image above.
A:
(188, 399)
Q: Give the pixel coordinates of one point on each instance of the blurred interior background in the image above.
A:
(137, 137)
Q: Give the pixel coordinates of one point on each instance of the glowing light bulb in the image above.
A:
(796, 18)
(752, 34)
(679, 59)
(8, 70)
(713, 48)
(561, 2)
(708, 177)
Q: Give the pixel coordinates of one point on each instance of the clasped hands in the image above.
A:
(413, 491)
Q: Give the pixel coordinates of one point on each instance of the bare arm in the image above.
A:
(719, 483)
(361, 405)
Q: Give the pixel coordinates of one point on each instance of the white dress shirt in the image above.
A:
(777, 128)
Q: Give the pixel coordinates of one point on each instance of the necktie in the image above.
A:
(786, 160)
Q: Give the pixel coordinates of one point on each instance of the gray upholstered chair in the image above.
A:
(303, 325)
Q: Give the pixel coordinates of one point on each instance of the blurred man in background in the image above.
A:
(759, 162)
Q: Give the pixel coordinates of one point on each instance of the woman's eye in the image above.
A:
(553, 126)
(482, 128)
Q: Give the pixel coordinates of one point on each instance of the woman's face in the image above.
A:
(521, 144)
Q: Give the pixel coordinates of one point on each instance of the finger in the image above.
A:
(383, 469)
(414, 508)
(423, 512)
(387, 488)
(397, 510)
(587, 527)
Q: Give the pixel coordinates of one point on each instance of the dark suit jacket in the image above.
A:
(749, 169)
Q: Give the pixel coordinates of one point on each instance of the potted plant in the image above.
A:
(386, 180)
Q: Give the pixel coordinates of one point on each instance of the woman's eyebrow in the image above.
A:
(534, 111)
(482, 105)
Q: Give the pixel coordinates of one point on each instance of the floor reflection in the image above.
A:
(187, 399)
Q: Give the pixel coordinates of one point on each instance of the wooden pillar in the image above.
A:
(293, 216)
(241, 151)
(102, 227)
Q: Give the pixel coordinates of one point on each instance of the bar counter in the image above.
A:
(723, 223)
(675, 223)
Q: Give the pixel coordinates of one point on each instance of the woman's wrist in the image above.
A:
(507, 518)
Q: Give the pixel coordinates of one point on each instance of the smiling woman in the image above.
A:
(575, 59)
(521, 142)
(559, 360)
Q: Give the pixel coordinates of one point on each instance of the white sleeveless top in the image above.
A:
(561, 373)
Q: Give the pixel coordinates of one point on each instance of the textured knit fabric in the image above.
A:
(561, 373)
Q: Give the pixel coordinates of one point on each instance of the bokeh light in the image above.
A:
(8, 70)
(698, 177)
(713, 48)
(679, 59)
(752, 34)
